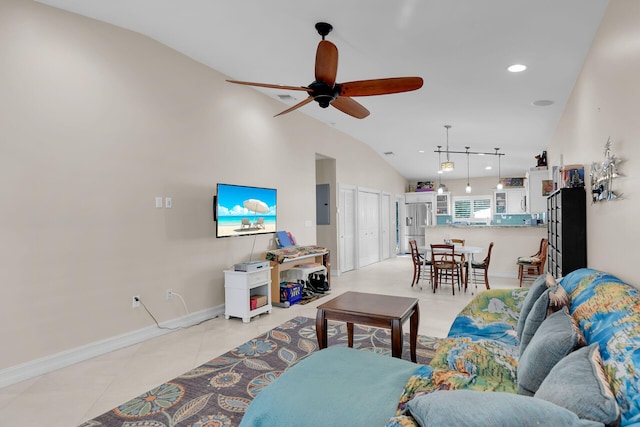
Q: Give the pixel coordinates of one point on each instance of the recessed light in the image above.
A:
(488, 168)
(420, 151)
(517, 68)
(542, 103)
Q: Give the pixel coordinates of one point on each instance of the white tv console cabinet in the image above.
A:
(240, 286)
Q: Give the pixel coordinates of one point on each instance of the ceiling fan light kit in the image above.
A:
(324, 89)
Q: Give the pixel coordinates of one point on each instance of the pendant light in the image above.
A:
(448, 165)
(440, 186)
(468, 189)
(499, 186)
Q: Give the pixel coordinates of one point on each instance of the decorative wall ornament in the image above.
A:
(602, 176)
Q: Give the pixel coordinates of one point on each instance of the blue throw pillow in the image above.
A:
(556, 337)
(535, 318)
(536, 289)
(578, 383)
(551, 300)
(496, 409)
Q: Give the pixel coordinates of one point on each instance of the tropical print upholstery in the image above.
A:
(482, 349)
(480, 353)
(608, 312)
(492, 315)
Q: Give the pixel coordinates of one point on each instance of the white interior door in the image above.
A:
(385, 225)
(347, 228)
(368, 228)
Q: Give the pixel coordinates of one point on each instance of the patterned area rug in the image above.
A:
(217, 393)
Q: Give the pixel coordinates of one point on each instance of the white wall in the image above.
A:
(96, 122)
(327, 235)
(605, 103)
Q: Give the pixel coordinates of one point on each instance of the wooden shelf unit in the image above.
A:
(289, 263)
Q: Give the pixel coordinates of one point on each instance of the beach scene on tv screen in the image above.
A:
(245, 210)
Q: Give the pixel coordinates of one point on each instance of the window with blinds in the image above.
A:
(472, 209)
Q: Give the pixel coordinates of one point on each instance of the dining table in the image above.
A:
(467, 251)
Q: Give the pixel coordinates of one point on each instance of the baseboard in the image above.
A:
(509, 274)
(56, 361)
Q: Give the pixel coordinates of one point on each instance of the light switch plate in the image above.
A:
(158, 202)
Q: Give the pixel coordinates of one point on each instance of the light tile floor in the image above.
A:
(72, 395)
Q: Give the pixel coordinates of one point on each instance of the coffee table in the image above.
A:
(384, 311)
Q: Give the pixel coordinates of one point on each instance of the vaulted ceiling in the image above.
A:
(461, 48)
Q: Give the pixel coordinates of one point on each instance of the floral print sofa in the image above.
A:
(553, 354)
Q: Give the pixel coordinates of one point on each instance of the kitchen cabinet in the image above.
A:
(443, 204)
(420, 197)
(511, 201)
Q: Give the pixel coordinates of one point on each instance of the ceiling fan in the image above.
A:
(325, 91)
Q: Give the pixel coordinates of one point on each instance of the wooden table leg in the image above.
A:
(321, 329)
(466, 278)
(396, 338)
(350, 334)
(414, 321)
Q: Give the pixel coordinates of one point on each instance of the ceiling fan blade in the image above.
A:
(380, 86)
(326, 63)
(295, 107)
(350, 107)
(270, 85)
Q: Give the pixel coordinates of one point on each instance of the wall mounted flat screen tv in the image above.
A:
(241, 210)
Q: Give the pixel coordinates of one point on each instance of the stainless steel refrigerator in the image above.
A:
(418, 217)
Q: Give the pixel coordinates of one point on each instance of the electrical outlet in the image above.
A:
(135, 301)
(169, 293)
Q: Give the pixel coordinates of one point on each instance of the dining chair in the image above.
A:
(419, 265)
(443, 260)
(533, 266)
(481, 269)
(462, 259)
